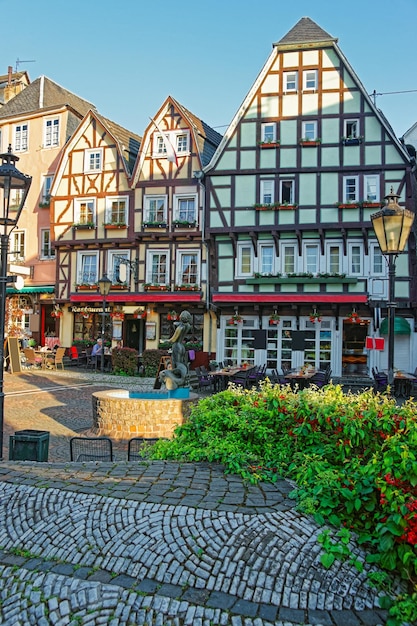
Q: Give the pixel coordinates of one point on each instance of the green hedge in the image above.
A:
(151, 360)
(125, 361)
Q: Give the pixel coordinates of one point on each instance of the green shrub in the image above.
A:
(151, 360)
(353, 457)
(125, 361)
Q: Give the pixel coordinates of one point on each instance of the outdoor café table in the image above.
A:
(225, 374)
(403, 383)
(300, 378)
(46, 355)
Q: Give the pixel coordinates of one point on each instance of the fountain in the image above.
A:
(121, 414)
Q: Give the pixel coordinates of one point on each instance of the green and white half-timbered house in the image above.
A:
(296, 272)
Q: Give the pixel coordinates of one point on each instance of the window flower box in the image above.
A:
(118, 287)
(155, 287)
(154, 224)
(184, 224)
(274, 206)
(45, 202)
(84, 226)
(115, 226)
(87, 287)
(352, 141)
(269, 144)
(347, 205)
(304, 141)
(186, 288)
(370, 205)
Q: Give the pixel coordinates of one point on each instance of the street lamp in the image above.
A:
(392, 226)
(11, 180)
(104, 285)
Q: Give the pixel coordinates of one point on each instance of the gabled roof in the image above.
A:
(205, 138)
(129, 142)
(43, 93)
(303, 33)
(15, 77)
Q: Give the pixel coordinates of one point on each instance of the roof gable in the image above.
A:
(305, 32)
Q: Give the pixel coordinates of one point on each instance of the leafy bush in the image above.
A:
(354, 458)
(151, 360)
(125, 361)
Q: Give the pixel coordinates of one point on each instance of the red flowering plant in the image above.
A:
(353, 317)
(315, 317)
(235, 320)
(172, 316)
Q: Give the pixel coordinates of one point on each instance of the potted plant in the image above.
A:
(353, 318)
(139, 314)
(186, 287)
(155, 287)
(274, 319)
(235, 320)
(114, 225)
(45, 202)
(117, 315)
(57, 312)
(184, 224)
(84, 225)
(172, 316)
(315, 317)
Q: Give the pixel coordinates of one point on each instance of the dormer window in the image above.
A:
(93, 160)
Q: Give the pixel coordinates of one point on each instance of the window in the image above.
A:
(118, 271)
(93, 160)
(351, 130)
(333, 258)
(355, 259)
(51, 133)
(21, 138)
(116, 210)
(46, 188)
(87, 268)
(266, 258)
(84, 212)
(290, 81)
(309, 130)
(179, 140)
(350, 189)
(244, 260)
(288, 255)
(286, 191)
(311, 258)
(310, 79)
(377, 260)
(157, 267)
(46, 248)
(267, 192)
(371, 188)
(268, 133)
(155, 209)
(188, 268)
(185, 208)
(182, 143)
(17, 246)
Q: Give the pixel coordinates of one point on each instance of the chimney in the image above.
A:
(9, 75)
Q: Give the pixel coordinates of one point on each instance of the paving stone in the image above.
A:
(243, 607)
(220, 600)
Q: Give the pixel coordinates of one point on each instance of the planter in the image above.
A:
(351, 205)
(87, 287)
(115, 226)
(353, 141)
(186, 289)
(371, 205)
(154, 225)
(271, 144)
(275, 280)
(274, 322)
(83, 226)
(156, 288)
(118, 287)
(184, 224)
(309, 143)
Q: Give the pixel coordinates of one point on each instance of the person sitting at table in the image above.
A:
(97, 350)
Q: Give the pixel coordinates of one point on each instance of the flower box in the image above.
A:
(186, 288)
(154, 224)
(118, 287)
(348, 205)
(371, 205)
(268, 144)
(183, 224)
(155, 287)
(351, 141)
(87, 287)
(87, 226)
(309, 143)
(114, 226)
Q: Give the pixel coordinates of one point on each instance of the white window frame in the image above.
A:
(268, 132)
(51, 132)
(311, 257)
(262, 248)
(310, 80)
(90, 276)
(351, 128)
(46, 244)
(93, 160)
(78, 217)
(150, 276)
(178, 199)
(348, 196)
(110, 217)
(148, 199)
(367, 182)
(290, 81)
(309, 130)
(267, 191)
(46, 187)
(17, 246)
(179, 274)
(244, 266)
(352, 246)
(378, 265)
(113, 265)
(285, 249)
(179, 140)
(330, 268)
(284, 185)
(21, 137)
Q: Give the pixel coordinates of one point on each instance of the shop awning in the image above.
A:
(37, 289)
(401, 326)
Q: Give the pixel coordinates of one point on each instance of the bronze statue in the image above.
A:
(176, 377)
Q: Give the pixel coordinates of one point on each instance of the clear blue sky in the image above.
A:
(126, 57)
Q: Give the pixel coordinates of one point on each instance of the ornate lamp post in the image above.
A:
(392, 226)
(11, 180)
(104, 285)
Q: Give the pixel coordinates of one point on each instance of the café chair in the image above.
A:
(137, 447)
(31, 358)
(91, 449)
(56, 359)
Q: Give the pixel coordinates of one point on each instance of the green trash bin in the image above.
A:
(29, 445)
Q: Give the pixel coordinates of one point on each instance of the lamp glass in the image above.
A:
(104, 285)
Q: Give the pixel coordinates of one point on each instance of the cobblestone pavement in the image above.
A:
(154, 542)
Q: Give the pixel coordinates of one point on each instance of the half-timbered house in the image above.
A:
(93, 227)
(296, 270)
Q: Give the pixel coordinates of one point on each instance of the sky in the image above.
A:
(128, 57)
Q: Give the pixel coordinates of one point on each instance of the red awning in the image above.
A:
(152, 296)
(309, 298)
